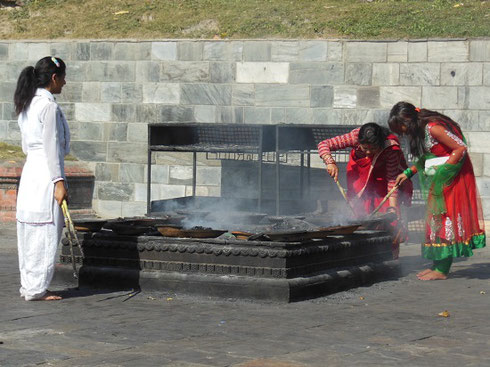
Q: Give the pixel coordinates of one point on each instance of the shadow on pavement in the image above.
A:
(88, 292)
(473, 271)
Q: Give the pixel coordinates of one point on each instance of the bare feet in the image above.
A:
(49, 296)
(423, 272)
(433, 275)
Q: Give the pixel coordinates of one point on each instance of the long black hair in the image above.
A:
(33, 77)
(373, 134)
(404, 113)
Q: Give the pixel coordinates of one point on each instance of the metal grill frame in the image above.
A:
(256, 139)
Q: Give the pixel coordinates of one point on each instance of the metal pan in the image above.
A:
(93, 225)
(287, 236)
(202, 233)
(177, 231)
(129, 230)
(170, 218)
(241, 235)
(168, 230)
(298, 236)
(145, 221)
(282, 236)
(341, 230)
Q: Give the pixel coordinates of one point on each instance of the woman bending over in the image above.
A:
(375, 161)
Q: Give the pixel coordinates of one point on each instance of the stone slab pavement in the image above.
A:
(390, 323)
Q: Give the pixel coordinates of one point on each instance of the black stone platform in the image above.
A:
(276, 271)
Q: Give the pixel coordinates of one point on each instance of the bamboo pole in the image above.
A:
(383, 201)
(342, 191)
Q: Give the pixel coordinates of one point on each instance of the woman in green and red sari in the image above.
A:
(454, 223)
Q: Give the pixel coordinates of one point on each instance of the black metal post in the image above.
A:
(308, 175)
(194, 172)
(261, 149)
(301, 173)
(148, 186)
(278, 174)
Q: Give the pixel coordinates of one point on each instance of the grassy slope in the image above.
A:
(13, 153)
(10, 153)
(149, 19)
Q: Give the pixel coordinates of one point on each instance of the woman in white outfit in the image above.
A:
(45, 141)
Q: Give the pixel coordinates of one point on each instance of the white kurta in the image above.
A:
(45, 141)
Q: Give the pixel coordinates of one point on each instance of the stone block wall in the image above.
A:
(114, 88)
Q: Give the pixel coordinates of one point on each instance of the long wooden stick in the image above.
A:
(342, 191)
(72, 236)
(384, 201)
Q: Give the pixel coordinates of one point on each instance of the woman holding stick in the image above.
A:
(454, 222)
(45, 141)
(375, 161)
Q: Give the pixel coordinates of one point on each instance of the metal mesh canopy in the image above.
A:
(241, 137)
(327, 132)
(227, 135)
(246, 138)
(210, 137)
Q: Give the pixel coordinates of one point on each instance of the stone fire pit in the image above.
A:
(264, 270)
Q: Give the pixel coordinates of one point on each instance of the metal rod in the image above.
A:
(278, 175)
(72, 236)
(301, 173)
(194, 171)
(148, 185)
(308, 172)
(261, 149)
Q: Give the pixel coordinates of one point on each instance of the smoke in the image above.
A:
(238, 209)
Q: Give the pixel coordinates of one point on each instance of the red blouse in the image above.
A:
(351, 140)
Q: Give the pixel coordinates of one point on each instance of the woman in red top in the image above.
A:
(454, 222)
(375, 162)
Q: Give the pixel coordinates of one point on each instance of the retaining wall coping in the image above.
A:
(243, 40)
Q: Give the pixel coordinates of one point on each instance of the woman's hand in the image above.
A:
(401, 178)
(394, 210)
(60, 192)
(333, 171)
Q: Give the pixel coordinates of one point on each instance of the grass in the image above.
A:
(10, 152)
(13, 153)
(239, 19)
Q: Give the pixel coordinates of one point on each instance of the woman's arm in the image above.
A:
(338, 142)
(52, 150)
(457, 146)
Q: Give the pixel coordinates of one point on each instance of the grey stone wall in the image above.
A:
(114, 88)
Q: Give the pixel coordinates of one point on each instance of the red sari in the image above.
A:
(368, 181)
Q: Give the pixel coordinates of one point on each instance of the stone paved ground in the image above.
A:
(390, 323)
